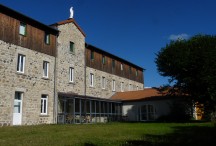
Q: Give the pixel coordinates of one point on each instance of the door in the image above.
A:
(17, 109)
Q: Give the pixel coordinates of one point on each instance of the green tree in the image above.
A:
(191, 66)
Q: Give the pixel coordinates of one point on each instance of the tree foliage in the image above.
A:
(191, 66)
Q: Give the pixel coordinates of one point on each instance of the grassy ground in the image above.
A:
(112, 134)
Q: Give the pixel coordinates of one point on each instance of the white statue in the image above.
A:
(71, 12)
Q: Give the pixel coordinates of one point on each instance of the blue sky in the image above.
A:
(131, 29)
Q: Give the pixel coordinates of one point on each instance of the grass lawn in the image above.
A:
(113, 134)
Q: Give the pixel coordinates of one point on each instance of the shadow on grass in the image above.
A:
(182, 136)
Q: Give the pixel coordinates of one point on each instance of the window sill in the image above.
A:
(91, 86)
(20, 73)
(73, 53)
(45, 78)
(70, 82)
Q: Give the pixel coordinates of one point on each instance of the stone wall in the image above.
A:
(65, 59)
(107, 92)
(31, 83)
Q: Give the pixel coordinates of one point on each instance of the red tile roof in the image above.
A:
(69, 21)
(146, 94)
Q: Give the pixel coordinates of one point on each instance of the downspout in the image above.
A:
(55, 110)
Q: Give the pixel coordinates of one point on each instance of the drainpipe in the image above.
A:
(55, 91)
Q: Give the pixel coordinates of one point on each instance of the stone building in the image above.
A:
(49, 74)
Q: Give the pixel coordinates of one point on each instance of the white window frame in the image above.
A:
(22, 28)
(44, 104)
(45, 69)
(21, 63)
(103, 82)
(113, 85)
(122, 86)
(71, 74)
(91, 80)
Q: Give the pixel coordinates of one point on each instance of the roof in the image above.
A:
(114, 56)
(71, 95)
(26, 19)
(145, 94)
(70, 20)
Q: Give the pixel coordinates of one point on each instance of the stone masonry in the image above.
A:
(31, 83)
(65, 59)
(98, 91)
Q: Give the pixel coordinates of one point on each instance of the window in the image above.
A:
(103, 83)
(113, 63)
(122, 86)
(91, 79)
(47, 38)
(121, 67)
(71, 74)
(72, 49)
(113, 85)
(130, 87)
(92, 55)
(44, 102)
(45, 69)
(22, 28)
(130, 70)
(21, 63)
(103, 59)
(136, 72)
(137, 87)
(147, 113)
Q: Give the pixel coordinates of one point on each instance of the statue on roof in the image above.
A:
(71, 12)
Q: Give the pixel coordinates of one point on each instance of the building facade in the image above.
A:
(49, 74)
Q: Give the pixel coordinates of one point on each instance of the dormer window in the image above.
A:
(22, 29)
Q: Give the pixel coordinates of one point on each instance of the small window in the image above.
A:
(136, 72)
(72, 49)
(92, 55)
(113, 63)
(103, 82)
(21, 63)
(122, 86)
(47, 38)
(103, 59)
(44, 102)
(22, 28)
(121, 67)
(45, 69)
(113, 85)
(130, 70)
(71, 74)
(130, 87)
(91, 79)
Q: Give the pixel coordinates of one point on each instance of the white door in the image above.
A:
(17, 112)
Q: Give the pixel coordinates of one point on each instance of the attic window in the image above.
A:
(47, 38)
(22, 28)
(92, 55)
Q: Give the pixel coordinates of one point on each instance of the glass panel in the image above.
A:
(87, 106)
(17, 106)
(93, 106)
(77, 103)
(22, 28)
